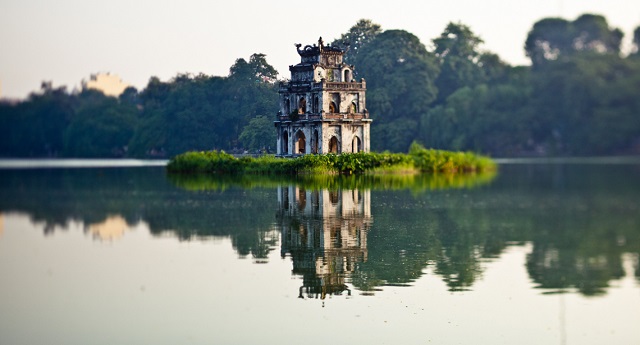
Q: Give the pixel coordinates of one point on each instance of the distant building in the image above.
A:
(322, 109)
(109, 84)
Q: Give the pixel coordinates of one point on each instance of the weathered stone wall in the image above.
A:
(320, 79)
(329, 131)
(302, 76)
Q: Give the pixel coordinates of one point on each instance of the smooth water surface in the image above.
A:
(539, 254)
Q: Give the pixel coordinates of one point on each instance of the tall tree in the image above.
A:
(256, 70)
(203, 112)
(553, 38)
(592, 33)
(400, 75)
(358, 36)
(457, 50)
(548, 39)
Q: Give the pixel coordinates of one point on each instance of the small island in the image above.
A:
(418, 160)
(323, 127)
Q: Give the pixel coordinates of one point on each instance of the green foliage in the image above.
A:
(418, 159)
(430, 160)
(101, 127)
(203, 112)
(256, 70)
(579, 97)
(186, 113)
(258, 134)
(209, 161)
(588, 104)
(400, 75)
(35, 127)
(554, 38)
(457, 51)
(358, 36)
(417, 183)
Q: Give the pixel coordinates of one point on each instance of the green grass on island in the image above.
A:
(419, 159)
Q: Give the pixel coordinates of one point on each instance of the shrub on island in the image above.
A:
(419, 159)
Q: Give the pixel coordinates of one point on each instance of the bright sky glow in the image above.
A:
(66, 41)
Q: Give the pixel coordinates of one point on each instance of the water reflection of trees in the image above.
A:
(57, 197)
(580, 221)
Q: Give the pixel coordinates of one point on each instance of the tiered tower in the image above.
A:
(322, 107)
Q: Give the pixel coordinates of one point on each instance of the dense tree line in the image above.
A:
(166, 118)
(578, 97)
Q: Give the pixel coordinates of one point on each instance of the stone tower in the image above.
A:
(322, 108)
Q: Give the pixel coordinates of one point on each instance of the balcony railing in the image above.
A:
(344, 86)
(324, 116)
(285, 86)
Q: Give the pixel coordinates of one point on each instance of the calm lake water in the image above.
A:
(539, 253)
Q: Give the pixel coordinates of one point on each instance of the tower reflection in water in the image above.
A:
(325, 233)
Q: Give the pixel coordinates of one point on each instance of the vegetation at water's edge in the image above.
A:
(416, 183)
(419, 159)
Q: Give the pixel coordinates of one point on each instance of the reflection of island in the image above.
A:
(579, 221)
(325, 233)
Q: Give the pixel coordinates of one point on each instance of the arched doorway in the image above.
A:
(356, 145)
(301, 143)
(314, 142)
(333, 145)
(285, 143)
(302, 106)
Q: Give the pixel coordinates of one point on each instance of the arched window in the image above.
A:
(347, 76)
(316, 103)
(332, 107)
(356, 145)
(301, 143)
(333, 145)
(285, 143)
(302, 106)
(353, 108)
(287, 106)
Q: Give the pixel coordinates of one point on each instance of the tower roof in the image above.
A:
(314, 50)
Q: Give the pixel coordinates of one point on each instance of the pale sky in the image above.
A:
(65, 41)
